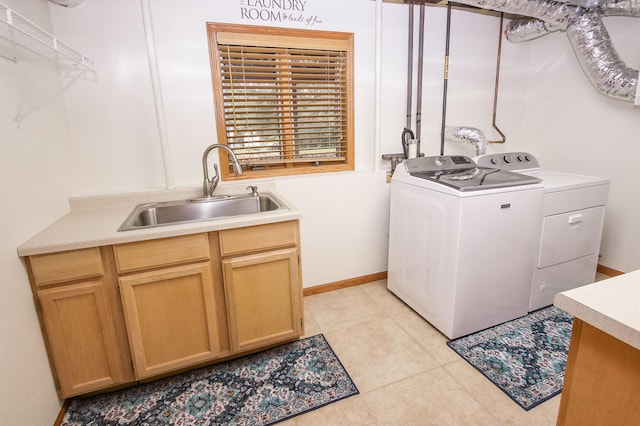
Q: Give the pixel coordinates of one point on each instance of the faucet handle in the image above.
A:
(253, 189)
(213, 182)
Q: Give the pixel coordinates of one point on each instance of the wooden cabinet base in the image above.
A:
(83, 341)
(602, 381)
(263, 298)
(114, 315)
(171, 318)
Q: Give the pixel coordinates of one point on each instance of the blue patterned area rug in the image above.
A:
(526, 358)
(259, 389)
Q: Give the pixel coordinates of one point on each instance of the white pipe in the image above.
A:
(378, 88)
(157, 93)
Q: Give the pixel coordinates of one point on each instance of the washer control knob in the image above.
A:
(494, 161)
(439, 161)
(523, 158)
(506, 159)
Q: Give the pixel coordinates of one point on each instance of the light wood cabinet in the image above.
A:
(263, 289)
(57, 268)
(161, 253)
(84, 333)
(170, 316)
(170, 312)
(117, 314)
(602, 380)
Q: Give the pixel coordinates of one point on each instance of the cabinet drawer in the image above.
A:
(163, 252)
(257, 238)
(570, 236)
(66, 266)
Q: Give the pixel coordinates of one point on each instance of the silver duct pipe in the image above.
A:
(620, 8)
(67, 3)
(586, 32)
(525, 29)
(585, 3)
(468, 135)
(598, 58)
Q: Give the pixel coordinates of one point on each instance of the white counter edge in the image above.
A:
(93, 222)
(611, 305)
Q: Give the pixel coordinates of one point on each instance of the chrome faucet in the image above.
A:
(209, 184)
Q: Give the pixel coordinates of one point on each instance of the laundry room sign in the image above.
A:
(278, 11)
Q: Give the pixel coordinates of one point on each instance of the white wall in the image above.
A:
(102, 136)
(115, 134)
(37, 172)
(572, 127)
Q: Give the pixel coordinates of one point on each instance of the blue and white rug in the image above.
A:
(260, 389)
(526, 358)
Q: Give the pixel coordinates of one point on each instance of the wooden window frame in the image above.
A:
(283, 38)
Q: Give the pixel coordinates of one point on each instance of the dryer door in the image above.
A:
(571, 235)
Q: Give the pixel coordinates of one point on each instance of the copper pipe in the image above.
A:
(495, 93)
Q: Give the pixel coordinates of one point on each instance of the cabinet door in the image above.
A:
(82, 338)
(264, 303)
(171, 318)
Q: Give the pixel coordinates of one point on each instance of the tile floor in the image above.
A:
(405, 372)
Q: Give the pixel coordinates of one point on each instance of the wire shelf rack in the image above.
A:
(17, 30)
(21, 39)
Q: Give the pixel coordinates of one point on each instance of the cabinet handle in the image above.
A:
(576, 218)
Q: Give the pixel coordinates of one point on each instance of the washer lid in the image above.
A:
(461, 173)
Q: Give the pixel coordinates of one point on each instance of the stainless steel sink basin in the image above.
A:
(199, 209)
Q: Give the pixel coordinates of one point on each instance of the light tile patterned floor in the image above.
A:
(404, 370)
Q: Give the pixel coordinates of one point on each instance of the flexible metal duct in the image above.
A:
(525, 29)
(620, 8)
(467, 134)
(591, 42)
(586, 3)
(67, 3)
(586, 32)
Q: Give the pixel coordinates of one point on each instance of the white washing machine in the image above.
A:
(462, 242)
(573, 218)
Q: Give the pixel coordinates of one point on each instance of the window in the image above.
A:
(283, 99)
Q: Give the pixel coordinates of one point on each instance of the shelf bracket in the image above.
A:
(60, 84)
(19, 31)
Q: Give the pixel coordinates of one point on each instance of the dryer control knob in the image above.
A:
(506, 159)
(494, 161)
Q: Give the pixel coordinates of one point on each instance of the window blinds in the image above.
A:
(285, 99)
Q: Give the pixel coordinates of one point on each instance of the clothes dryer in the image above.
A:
(572, 217)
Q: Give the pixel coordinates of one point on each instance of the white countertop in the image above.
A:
(94, 221)
(612, 305)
